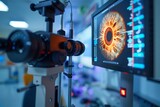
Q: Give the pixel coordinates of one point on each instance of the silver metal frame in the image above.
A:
(45, 79)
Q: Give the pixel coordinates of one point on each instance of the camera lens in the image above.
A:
(75, 48)
(24, 46)
(41, 49)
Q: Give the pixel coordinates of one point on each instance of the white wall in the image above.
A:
(146, 89)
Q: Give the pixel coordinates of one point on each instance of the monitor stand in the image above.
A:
(127, 83)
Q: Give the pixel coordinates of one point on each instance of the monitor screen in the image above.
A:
(122, 36)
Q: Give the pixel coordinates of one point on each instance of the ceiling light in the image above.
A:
(3, 7)
(18, 24)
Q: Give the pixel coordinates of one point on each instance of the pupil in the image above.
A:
(109, 36)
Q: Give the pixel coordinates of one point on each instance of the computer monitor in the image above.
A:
(122, 36)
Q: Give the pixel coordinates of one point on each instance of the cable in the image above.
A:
(62, 21)
(61, 31)
(71, 20)
(71, 15)
(70, 57)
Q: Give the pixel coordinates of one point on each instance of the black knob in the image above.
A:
(32, 6)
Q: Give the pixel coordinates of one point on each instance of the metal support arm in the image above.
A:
(45, 79)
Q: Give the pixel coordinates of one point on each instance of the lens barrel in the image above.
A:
(74, 48)
(24, 46)
(40, 49)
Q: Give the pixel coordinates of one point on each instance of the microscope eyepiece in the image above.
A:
(40, 48)
(23, 46)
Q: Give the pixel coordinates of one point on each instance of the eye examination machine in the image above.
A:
(106, 53)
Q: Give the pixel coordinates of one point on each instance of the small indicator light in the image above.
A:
(123, 92)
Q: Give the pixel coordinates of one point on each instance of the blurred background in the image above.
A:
(92, 86)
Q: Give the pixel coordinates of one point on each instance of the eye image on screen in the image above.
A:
(119, 34)
(112, 39)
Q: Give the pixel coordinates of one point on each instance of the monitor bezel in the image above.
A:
(149, 33)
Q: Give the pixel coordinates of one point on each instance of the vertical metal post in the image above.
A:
(70, 61)
(49, 24)
(49, 83)
(46, 86)
(45, 79)
(127, 83)
(59, 89)
(70, 82)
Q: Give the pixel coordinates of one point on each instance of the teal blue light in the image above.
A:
(141, 66)
(137, 9)
(2, 58)
(129, 24)
(95, 59)
(136, 19)
(129, 40)
(135, 1)
(129, 8)
(138, 36)
(129, 58)
(142, 45)
(95, 42)
(139, 54)
(138, 27)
